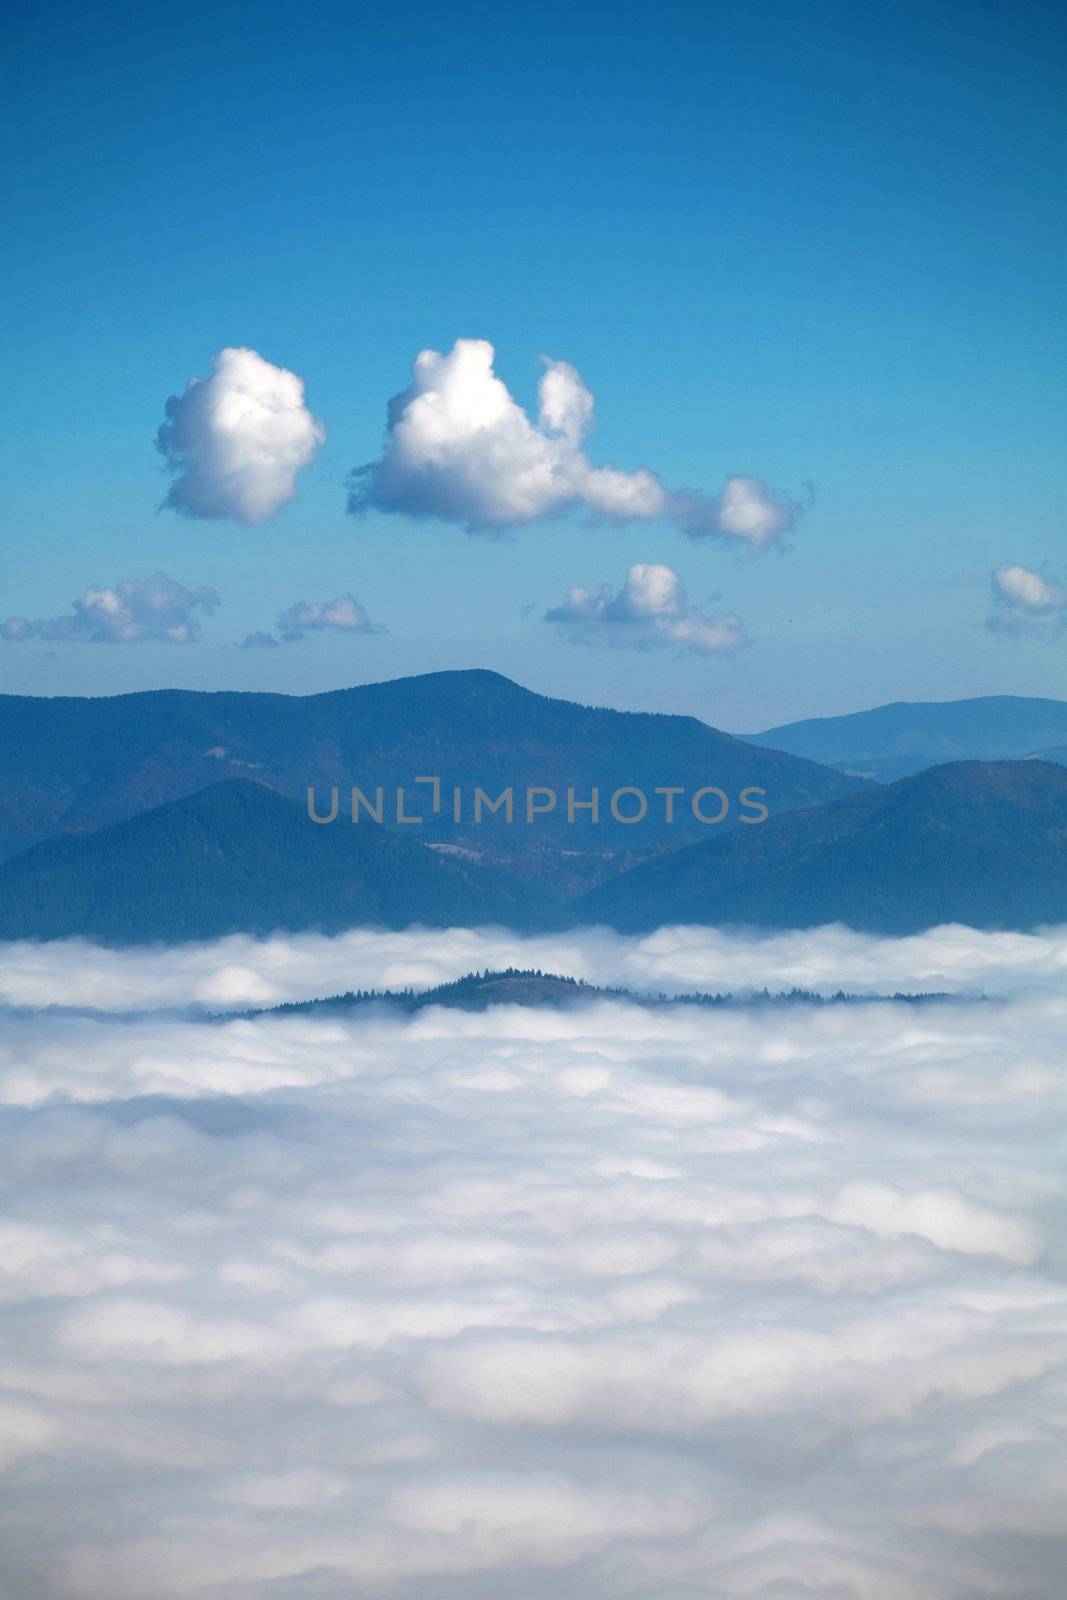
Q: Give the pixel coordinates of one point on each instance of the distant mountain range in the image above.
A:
(70, 765)
(978, 842)
(896, 740)
(177, 815)
(983, 843)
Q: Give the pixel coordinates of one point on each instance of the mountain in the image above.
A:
(239, 857)
(477, 991)
(68, 765)
(983, 843)
(896, 740)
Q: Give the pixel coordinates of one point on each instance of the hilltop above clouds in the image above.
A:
(596, 1300)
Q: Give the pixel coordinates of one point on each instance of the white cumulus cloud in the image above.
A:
(744, 509)
(237, 440)
(1025, 602)
(344, 615)
(462, 449)
(122, 613)
(651, 609)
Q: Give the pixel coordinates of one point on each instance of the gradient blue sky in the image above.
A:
(816, 243)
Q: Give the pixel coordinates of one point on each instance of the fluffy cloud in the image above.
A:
(134, 609)
(1025, 602)
(462, 449)
(745, 509)
(603, 1301)
(343, 615)
(649, 610)
(237, 440)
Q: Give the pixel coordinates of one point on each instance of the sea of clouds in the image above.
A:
(760, 1302)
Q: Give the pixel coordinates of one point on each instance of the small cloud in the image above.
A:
(343, 615)
(129, 611)
(237, 440)
(460, 448)
(649, 611)
(1025, 602)
(745, 509)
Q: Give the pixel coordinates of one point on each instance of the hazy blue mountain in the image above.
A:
(981, 843)
(71, 764)
(893, 741)
(984, 843)
(240, 857)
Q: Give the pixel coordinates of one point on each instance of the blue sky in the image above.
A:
(821, 245)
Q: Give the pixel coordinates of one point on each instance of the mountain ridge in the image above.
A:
(904, 736)
(71, 765)
(531, 987)
(973, 842)
(982, 843)
(238, 857)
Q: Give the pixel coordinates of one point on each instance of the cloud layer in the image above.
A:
(462, 449)
(124, 613)
(649, 611)
(239, 972)
(236, 441)
(610, 1303)
(1025, 602)
(344, 615)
